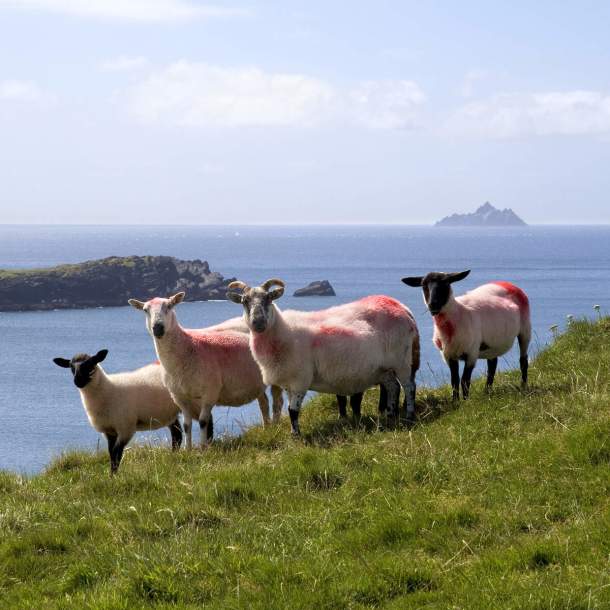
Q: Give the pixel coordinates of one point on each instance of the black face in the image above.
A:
(436, 292)
(437, 287)
(256, 304)
(82, 366)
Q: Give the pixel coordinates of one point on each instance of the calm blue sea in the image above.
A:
(565, 270)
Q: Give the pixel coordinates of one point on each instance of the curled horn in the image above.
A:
(274, 282)
(237, 285)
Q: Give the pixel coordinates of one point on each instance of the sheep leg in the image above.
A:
(492, 365)
(383, 398)
(355, 402)
(466, 375)
(111, 438)
(294, 407)
(454, 367)
(263, 405)
(115, 449)
(278, 402)
(175, 430)
(342, 402)
(206, 427)
(188, 430)
(409, 402)
(117, 455)
(523, 362)
(392, 388)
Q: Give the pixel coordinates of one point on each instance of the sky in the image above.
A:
(320, 111)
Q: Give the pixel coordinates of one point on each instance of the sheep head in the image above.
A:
(259, 310)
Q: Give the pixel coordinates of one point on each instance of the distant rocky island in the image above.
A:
(108, 282)
(486, 216)
(321, 288)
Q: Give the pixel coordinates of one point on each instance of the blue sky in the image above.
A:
(179, 111)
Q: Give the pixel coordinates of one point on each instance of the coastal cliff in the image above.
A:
(108, 282)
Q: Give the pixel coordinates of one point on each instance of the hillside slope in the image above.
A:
(501, 503)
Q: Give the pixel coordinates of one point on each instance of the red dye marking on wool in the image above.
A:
(326, 333)
(267, 347)
(445, 327)
(517, 294)
(384, 304)
(222, 344)
(157, 363)
(438, 343)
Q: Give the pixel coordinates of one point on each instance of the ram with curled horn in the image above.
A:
(343, 350)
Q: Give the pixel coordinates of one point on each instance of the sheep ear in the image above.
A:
(177, 299)
(276, 293)
(100, 356)
(414, 282)
(456, 277)
(137, 304)
(65, 364)
(236, 297)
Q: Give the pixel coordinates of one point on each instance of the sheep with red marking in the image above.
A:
(120, 404)
(206, 367)
(481, 324)
(342, 350)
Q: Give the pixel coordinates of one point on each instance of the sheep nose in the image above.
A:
(158, 329)
(259, 324)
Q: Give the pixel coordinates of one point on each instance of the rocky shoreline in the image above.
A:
(108, 282)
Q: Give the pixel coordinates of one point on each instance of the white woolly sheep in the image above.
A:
(481, 324)
(342, 350)
(120, 404)
(206, 367)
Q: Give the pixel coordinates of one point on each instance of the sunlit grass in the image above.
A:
(502, 502)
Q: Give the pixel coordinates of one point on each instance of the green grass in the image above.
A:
(503, 502)
(74, 269)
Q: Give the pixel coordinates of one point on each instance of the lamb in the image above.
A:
(118, 405)
(206, 367)
(482, 323)
(342, 350)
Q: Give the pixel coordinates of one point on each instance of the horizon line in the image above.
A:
(303, 224)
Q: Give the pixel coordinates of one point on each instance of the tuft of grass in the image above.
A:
(502, 501)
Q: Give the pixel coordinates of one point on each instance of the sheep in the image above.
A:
(342, 350)
(206, 367)
(481, 324)
(118, 405)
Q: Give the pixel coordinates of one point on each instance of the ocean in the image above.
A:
(564, 270)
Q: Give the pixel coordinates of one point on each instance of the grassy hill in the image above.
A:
(503, 502)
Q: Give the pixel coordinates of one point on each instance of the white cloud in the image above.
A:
(123, 63)
(470, 81)
(200, 95)
(510, 115)
(386, 104)
(127, 10)
(21, 91)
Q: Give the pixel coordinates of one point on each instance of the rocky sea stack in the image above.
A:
(486, 216)
(320, 288)
(108, 282)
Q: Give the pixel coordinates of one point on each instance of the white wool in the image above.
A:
(122, 403)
